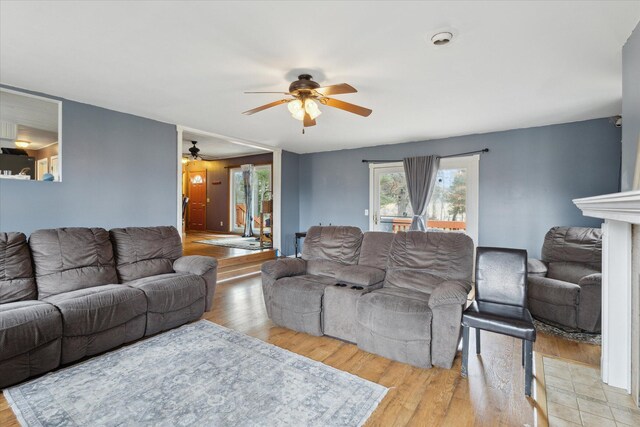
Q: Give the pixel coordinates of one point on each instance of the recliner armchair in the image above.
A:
(565, 286)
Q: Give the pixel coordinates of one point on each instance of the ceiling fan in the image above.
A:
(307, 94)
(195, 154)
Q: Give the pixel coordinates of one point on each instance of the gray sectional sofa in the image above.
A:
(70, 293)
(397, 295)
(565, 287)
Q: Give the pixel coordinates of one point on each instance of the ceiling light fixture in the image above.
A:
(194, 151)
(22, 144)
(441, 38)
(298, 109)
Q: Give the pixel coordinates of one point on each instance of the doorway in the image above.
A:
(453, 205)
(211, 201)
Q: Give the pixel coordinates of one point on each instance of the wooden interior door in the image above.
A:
(197, 212)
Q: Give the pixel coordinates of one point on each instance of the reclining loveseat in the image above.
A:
(89, 291)
(397, 295)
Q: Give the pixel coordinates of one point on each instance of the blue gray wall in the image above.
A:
(527, 180)
(117, 170)
(630, 107)
(290, 201)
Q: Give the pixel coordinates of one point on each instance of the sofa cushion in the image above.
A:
(296, 302)
(16, 273)
(553, 291)
(573, 244)
(170, 292)
(68, 259)
(172, 299)
(90, 310)
(570, 271)
(145, 251)
(420, 261)
(335, 243)
(301, 293)
(397, 313)
(375, 247)
(26, 325)
(360, 275)
(323, 267)
(30, 340)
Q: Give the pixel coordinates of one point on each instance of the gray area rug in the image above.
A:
(249, 243)
(567, 333)
(200, 374)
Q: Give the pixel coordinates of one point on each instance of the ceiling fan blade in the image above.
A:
(336, 89)
(282, 93)
(308, 121)
(352, 108)
(264, 107)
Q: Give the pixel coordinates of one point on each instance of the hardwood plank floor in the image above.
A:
(492, 395)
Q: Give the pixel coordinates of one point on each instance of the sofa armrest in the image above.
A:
(451, 292)
(591, 280)
(284, 267)
(590, 305)
(536, 267)
(203, 266)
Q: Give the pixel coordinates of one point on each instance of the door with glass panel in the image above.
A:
(261, 183)
(453, 205)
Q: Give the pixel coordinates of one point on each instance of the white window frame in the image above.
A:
(470, 163)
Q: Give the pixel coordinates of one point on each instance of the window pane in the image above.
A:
(394, 199)
(448, 206)
(446, 210)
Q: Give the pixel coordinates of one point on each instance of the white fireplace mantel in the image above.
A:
(619, 324)
(623, 207)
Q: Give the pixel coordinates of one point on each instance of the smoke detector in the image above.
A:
(616, 121)
(441, 38)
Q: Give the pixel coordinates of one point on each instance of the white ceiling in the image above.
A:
(216, 148)
(510, 65)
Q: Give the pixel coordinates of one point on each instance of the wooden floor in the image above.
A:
(232, 262)
(191, 247)
(493, 395)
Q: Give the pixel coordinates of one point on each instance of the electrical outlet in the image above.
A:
(366, 212)
(221, 224)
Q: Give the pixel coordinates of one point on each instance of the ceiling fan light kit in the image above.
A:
(306, 95)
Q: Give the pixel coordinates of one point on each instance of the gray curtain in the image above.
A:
(420, 173)
(247, 179)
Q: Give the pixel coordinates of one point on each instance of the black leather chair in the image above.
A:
(500, 304)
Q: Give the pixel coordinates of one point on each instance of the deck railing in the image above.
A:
(402, 224)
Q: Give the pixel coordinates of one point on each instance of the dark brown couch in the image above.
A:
(88, 291)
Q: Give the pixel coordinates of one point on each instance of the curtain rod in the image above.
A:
(468, 153)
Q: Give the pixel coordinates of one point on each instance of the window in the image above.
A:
(453, 205)
(261, 184)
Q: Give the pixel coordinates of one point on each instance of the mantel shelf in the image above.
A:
(623, 207)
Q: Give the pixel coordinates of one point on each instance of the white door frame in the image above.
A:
(471, 163)
(276, 177)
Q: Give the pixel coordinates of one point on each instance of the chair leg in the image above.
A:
(528, 367)
(477, 341)
(465, 350)
(523, 352)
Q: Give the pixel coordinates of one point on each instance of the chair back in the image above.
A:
(501, 276)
